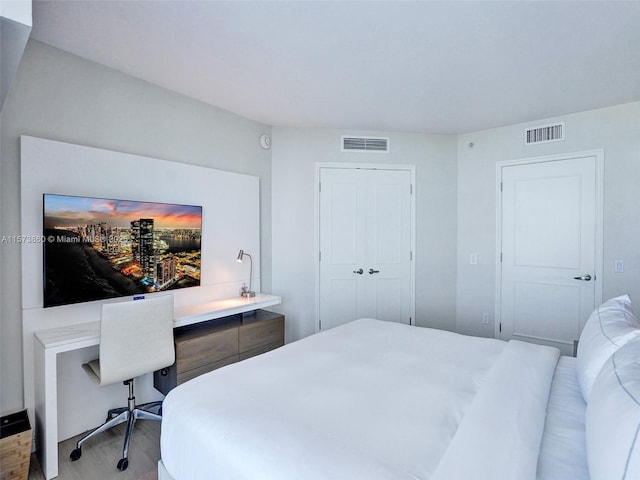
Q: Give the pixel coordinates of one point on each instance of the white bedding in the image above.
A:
(563, 453)
(369, 399)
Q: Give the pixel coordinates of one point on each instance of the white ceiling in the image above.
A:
(423, 66)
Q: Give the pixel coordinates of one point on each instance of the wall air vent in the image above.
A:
(365, 144)
(544, 134)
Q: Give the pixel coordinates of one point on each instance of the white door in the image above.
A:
(549, 244)
(365, 245)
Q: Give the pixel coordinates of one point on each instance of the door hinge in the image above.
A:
(319, 256)
(319, 186)
(500, 186)
(410, 321)
(500, 257)
(411, 255)
(411, 189)
(500, 327)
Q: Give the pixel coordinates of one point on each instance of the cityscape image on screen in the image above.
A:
(98, 248)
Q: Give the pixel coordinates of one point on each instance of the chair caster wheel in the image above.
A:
(123, 464)
(75, 455)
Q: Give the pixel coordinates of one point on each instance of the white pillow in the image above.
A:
(610, 326)
(613, 417)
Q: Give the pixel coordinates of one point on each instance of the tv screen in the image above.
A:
(98, 248)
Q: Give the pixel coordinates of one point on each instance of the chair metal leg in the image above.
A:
(136, 414)
(115, 412)
(123, 417)
(151, 406)
(124, 461)
(146, 415)
(129, 414)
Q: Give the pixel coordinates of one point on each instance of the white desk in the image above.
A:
(49, 343)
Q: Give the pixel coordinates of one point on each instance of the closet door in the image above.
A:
(365, 245)
(342, 257)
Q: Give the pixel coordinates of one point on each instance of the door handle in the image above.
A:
(359, 271)
(372, 271)
(586, 277)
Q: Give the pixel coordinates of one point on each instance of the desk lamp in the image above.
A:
(247, 292)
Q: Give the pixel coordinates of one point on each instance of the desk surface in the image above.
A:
(67, 337)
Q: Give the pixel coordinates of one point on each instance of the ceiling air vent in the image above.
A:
(365, 144)
(544, 134)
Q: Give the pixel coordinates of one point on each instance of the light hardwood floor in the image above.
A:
(100, 455)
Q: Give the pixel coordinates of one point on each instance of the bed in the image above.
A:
(381, 400)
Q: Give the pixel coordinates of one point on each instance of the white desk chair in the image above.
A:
(136, 338)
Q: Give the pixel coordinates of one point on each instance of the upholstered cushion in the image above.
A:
(92, 369)
(613, 417)
(610, 326)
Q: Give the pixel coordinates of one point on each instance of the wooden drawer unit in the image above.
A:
(262, 329)
(186, 375)
(209, 345)
(200, 348)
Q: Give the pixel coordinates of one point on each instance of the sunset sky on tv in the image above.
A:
(64, 210)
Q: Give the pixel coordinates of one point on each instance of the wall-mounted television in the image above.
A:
(99, 248)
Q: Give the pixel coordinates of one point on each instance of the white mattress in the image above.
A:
(369, 399)
(563, 453)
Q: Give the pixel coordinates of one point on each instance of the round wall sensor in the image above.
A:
(265, 141)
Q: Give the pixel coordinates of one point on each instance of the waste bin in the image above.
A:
(15, 446)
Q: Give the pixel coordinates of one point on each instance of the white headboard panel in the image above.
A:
(230, 204)
(230, 221)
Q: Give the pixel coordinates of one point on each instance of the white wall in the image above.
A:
(62, 97)
(17, 11)
(15, 27)
(295, 153)
(614, 129)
